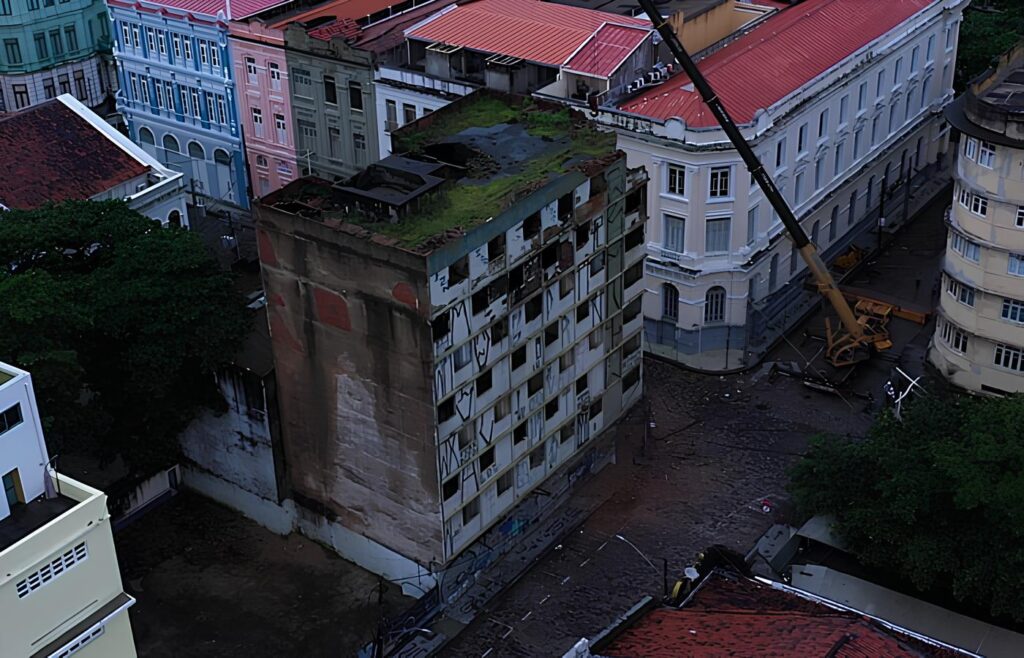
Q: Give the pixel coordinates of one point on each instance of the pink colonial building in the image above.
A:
(261, 75)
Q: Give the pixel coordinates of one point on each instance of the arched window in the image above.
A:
(669, 302)
(171, 144)
(221, 157)
(714, 305)
(773, 273)
(195, 151)
(146, 136)
(174, 219)
(815, 228)
(833, 224)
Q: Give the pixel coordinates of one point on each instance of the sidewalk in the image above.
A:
(576, 505)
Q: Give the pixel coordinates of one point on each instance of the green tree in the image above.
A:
(937, 498)
(989, 28)
(121, 321)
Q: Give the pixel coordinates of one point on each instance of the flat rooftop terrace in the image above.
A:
(454, 169)
(26, 519)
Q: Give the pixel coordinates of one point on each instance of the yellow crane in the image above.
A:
(864, 326)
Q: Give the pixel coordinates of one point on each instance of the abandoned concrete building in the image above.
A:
(455, 326)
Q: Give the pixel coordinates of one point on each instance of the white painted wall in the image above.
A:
(234, 445)
(22, 447)
(658, 146)
(158, 193)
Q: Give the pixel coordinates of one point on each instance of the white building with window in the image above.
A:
(979, 338)
(830, 118)
(60, 588)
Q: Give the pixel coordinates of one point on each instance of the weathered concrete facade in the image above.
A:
(330, 92)
(426, 390)
(352, 349)
(979, 337)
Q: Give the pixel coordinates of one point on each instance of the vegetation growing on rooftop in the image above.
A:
(466, 204)
(989, 28)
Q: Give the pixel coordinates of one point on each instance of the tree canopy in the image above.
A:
(989, 28)
(937, 498)
(119, 320)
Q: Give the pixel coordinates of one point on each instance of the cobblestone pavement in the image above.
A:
(720, 446)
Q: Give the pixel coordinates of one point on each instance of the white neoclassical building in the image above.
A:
(979, 337)
(834, 96)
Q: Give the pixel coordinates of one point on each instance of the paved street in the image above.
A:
(720, 446)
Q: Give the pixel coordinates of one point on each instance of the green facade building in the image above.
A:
(52, 47)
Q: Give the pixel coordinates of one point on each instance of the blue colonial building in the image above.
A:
(178, 92)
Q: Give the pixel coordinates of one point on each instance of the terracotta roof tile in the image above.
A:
(776, 58)
(53, 154)
(541, 32)
(735, 616)
(339, 9)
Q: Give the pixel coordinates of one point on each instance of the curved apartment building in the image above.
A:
(979, 337)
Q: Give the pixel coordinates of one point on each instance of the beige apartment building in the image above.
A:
(60, 588)
(979, 337)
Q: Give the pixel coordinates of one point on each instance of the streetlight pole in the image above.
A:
(664, 563)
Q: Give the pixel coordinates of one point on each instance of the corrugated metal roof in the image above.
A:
(781, 55)
(605, 51)
(239, 8)
(536, 31)
(340, 9)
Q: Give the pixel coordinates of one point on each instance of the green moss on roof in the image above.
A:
(465, 204)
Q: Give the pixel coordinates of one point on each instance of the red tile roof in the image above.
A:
(339, 9)
(343, 27)
(385, 35)
(607, 49)
(239, 8)
(735, 616)
(782, 54)
(541, 32)
(53, 154)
